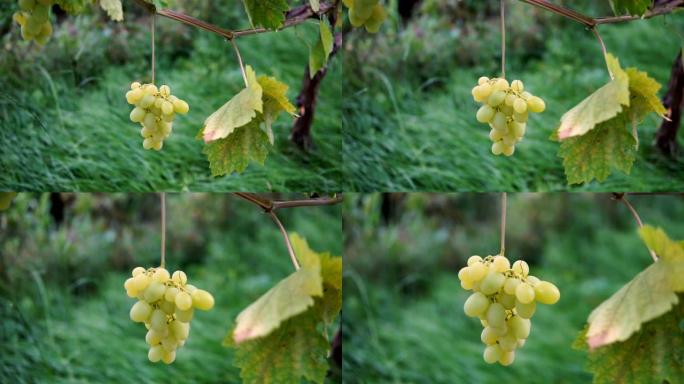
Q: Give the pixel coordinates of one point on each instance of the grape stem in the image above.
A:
(504, 201)
(603, 49)
(153, 53)
(293, 17)
(503, 39)
(623, 198)
(162, 197)
(288, 244)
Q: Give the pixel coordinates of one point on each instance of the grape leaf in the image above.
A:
(238, 111)
(326, 38)
(647, 296)
(630, 7)
(331, 302)
(643, 95)
(290, 297)
(233, 153)
(73, 6)
(654, 355)
(596, 153)
(295, 350)
(600, 106)
(6, 199)
(113, 9)
(275, 101)
(269, 14)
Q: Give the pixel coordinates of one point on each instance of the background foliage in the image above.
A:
(63, 307)
(403, 305)
(409, 118)
(65, 123)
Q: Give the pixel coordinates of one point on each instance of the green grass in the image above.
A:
(79, 138)
(403, 304)
(404, 134)
(60, 326)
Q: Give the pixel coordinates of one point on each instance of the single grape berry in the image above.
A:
(504, 296)
(505, 108)
(155, 110)
(165, 305)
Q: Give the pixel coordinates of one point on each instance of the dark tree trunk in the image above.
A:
(666, 138)
(57, 207)
(306, 101)
(336, 355)
(405, 9)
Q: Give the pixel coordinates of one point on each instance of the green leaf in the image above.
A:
(233, 153)
(327, 38)
(238, 111)
(600, 106)
(6, 199)
(650, 294)
(275, 101)
(113, 9)
(295, 350)
(269, 14)
(290, 297)
(73, 7)
(317, 58)
(654, 355)
(315, 5)
(596, 153)
(631, 7)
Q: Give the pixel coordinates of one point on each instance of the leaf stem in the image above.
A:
(290, 250)
(162, 197)
(242, 66)
(623, 198)
(503, 39)
(603, 49)
(504, 201)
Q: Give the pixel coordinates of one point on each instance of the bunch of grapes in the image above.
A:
(505, 108)
(368, 13)
(155, 110)
(34, 18)
(165, 304)
(504, 299)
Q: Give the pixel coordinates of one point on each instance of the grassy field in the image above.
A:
(403, 305)
(64, 309)
(412, 127)
(62, 133)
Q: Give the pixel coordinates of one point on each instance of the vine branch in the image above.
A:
(162, 197)
(503, 39)
(293, 17)
(623, 198)
(591, 22)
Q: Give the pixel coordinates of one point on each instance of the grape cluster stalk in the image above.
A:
(505, 107)
(34, 18)
(155, 109)
(166, 306)
(504, 299)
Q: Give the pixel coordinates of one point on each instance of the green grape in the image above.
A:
(152, 337)
(485, 114)
(508, 141)
(520, 267)
(492, 354)
(507, 358)
(137, 270)
(137, 115)
(510, 99)
(492, 282)
(525, 310)
(472, 260)
(546, 293)
(476, 305)
(517, 86)
(520, 105)
(499, 121)
(167, 306)
(519, 327)
(168, 357)
(158, 319)
(496, 135)
(27, 5)
(180, 106)
(170, 294)
(155, 353)
(364, 8)
(202, 300)
(524, 293)
(508, 342)
(376, 18)
(510, 285)
(476, 272)
(169, 343)
(140, 311)
(497, 148)
(496, 315)
(536, 104)
(180, 330)
(183, 301)
(501, 84)
(496, 98)
(482, 80)
(520, 117)
(161, 275)
(533, 280)
(147, 101)
(500, 264)
(184, 316)
(154, 291)
(489, 336)
(518, 129)
(508, 301)
(508, 150)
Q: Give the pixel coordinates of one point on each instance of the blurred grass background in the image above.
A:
(63, 307)
(409, 118)
(403, 304)
(65, 125)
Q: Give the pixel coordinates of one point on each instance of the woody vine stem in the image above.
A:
(162, 197)
(504, 201)
(503, 39)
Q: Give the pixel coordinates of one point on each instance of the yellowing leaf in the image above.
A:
(6, 199)
(643, 95)
(650, 294)
(594, 155)
(327, 38)
(600, 106)
(331, 302)
(113, 9)
(275, 101)
(238, 111)
(233, 153)
(290, 297)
